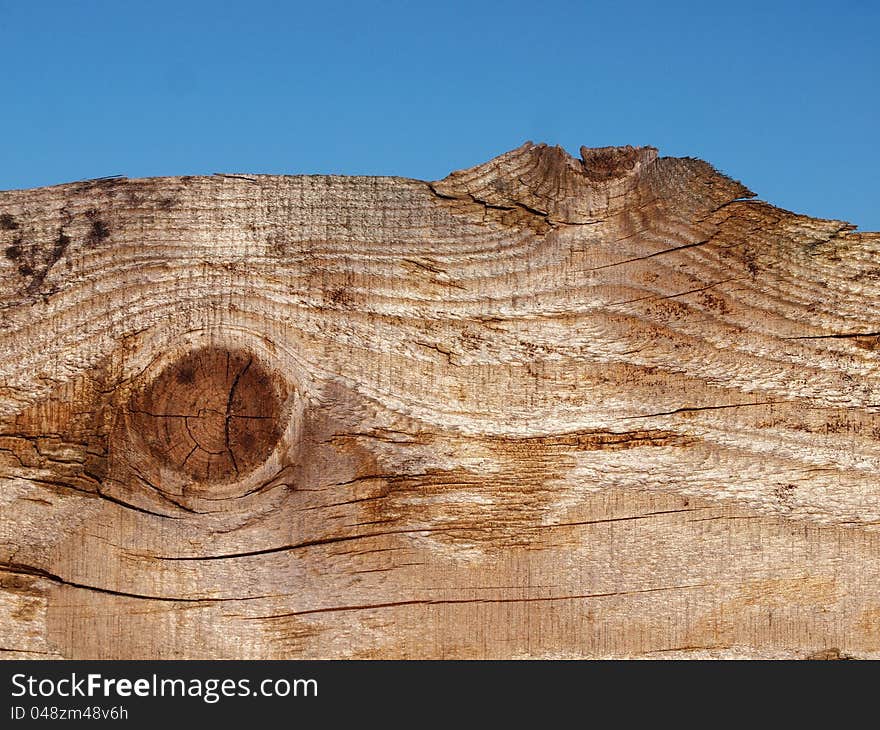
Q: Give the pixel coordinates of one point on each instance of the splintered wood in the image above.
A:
(545, 407)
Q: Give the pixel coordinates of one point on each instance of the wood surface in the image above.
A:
(544, 407)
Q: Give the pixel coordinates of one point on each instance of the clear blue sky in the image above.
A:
(782, 95)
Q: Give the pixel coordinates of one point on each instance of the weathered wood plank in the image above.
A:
(544, 407)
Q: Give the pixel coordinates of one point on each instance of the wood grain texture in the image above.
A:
(545, 407)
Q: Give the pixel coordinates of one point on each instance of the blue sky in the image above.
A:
(783, 96)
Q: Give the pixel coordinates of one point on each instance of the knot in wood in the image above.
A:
(214, 414)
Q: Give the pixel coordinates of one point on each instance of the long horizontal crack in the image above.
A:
(27, 651)
(297, 546)
(101, 495)
(651, 255)
(454, 601)
(19, 569)
(690, 409)
(625, 519)
(349, 538)
(839, 336)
